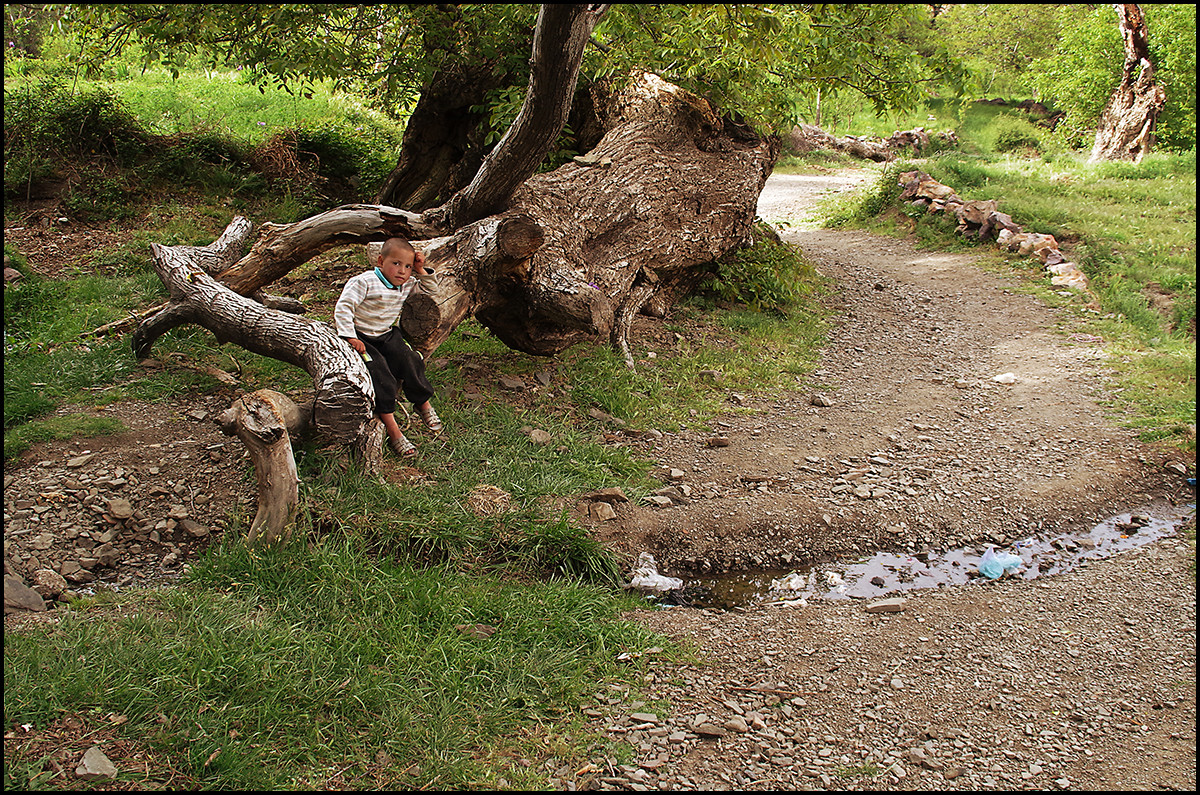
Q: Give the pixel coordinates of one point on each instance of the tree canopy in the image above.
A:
(758, 60)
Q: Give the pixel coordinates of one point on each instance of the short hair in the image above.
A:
(396, 243)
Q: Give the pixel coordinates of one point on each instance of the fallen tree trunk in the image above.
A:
(807, 138)
(576, 254)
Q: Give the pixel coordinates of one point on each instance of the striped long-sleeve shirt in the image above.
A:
(370, 306)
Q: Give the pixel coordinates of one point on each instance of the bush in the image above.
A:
(47, 118)
(768, 276)
(1015, 135)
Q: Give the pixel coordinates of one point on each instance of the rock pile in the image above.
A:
(119, 515)
(983, 220)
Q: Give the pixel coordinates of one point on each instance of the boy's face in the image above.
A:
(396, 265)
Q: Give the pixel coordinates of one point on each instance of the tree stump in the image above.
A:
(265, 421)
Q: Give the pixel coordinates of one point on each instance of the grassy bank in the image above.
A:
(315, 666)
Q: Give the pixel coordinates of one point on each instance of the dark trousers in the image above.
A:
(395, 366)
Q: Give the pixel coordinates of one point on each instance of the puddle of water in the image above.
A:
(886, 574)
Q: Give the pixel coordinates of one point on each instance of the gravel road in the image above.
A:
(1079, 681)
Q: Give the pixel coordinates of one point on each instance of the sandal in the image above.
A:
(402, 446)
(432, 422)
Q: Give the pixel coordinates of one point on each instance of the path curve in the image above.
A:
(1085, 680)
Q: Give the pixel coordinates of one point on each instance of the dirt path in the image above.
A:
(1084, 680)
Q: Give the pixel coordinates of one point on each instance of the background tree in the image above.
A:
(1000, 42)
(1070, 56)
(1126, 128)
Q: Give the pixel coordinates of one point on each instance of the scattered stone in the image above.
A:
(49, 583)
(610, 495)
(821, 399)
(120, 509)
(737, 724)
(601, 416)
(19, 596)
(479, 631)
(602, 512)
(95, 766)
(893, 605)
(193, 528)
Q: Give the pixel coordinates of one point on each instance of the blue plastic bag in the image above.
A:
(995, 565)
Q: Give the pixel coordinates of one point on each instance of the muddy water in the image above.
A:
(887, 574)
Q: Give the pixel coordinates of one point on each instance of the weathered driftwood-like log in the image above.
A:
(278, 250)
(266, 421)
(216, 257)
(281, 248)
(1126, 128)
(807, 138)
(344, 395)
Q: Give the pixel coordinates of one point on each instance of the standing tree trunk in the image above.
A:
(443, 143)
(562, 32)
(1126, 130)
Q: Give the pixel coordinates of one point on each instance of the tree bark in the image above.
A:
(1126, 129)
(562, 33)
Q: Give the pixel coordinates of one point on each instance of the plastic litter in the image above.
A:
(995, 565)
(647, 579)
(1005, 378)
(791, 582)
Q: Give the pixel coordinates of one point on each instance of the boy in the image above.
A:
(367, 316)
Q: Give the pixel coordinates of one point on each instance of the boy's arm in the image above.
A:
(343, 314)
(425, 277)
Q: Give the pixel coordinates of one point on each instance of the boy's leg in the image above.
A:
(382, 377)
(397, 441)
(386, 387)
(408, 367)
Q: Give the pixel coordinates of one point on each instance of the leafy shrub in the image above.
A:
(1014, 135)
(46, 117)
(768, 276)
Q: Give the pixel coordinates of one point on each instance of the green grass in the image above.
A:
(274, 669)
